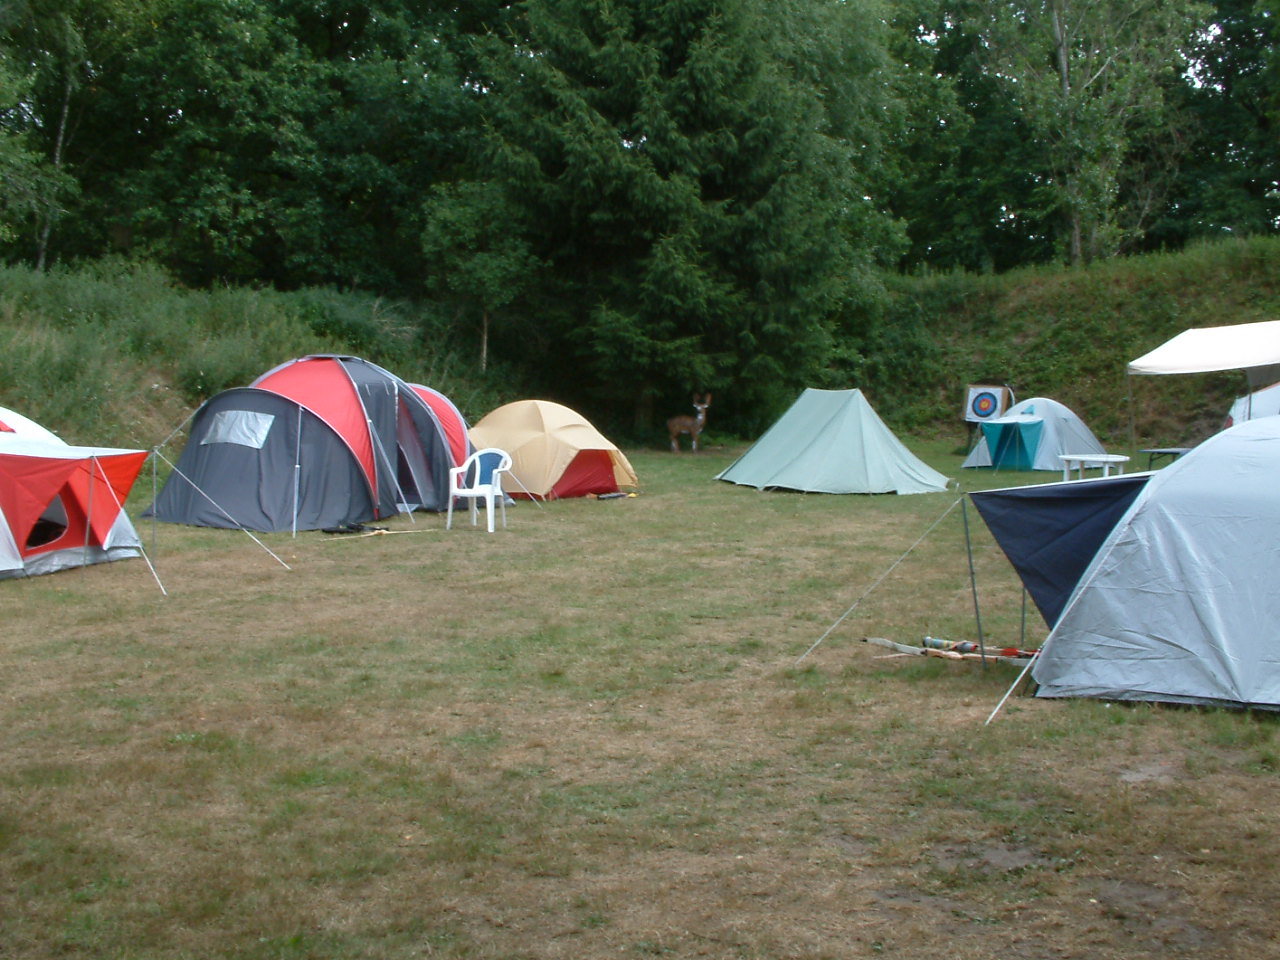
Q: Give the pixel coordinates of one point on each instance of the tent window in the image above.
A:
(51, 525)
(239, 426)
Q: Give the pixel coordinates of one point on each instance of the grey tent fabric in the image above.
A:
(1031, 436)
(1180, 603)
(832, 441)
(230, 477)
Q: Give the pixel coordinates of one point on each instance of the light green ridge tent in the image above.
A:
(832, 441)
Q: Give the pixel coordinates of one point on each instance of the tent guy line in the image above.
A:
(195, 486)
(893, 566)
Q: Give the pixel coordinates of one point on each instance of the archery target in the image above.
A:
(986, 403)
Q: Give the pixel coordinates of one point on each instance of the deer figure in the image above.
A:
(690, 425)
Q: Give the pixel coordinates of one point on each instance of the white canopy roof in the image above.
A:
(1206, 349)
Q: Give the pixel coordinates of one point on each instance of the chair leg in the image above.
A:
(488, 510)
(448, 524)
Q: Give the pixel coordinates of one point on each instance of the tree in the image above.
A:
(27, 186)
(279, 141)
(691, 182)
(473, 254)
(282, 142)
(1082, 75)
(62, 47)
(965, 166)
(1230, 183)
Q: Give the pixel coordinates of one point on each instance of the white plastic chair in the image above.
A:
(480, 478)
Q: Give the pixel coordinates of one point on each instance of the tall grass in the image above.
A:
(115, 352)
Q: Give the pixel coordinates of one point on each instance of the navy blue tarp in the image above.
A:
(1050, 532)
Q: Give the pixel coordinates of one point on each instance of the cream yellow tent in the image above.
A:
(555, 451)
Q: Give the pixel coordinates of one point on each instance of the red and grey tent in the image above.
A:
(61, 506)
(451, 420)
(317, 442)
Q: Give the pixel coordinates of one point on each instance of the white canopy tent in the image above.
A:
(1257, 403)
(1252, 347)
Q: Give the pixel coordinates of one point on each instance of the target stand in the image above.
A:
(985, 402)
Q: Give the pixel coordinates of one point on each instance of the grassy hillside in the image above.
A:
(1069, 334)
(118, 354)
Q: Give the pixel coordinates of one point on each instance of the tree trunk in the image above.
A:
(1062, 65)
(45, 228)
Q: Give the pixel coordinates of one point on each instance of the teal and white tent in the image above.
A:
(832, 441)
(1031, 436)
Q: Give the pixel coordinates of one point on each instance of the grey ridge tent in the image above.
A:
(1176, 602)
(832, 441)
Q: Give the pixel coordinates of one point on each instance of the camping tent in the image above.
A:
(61, 505)
(317, 442)
(1177, 605)
(1031, 436)
(451, 421)
(832, 441)
(554, 451)
(1259, 403)
(1051, 531)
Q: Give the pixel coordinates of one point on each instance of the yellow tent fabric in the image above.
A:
(555, 451)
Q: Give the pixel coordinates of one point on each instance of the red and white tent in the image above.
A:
(61, 506)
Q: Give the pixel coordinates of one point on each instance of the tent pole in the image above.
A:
(297, 471)
(94, 466)
(1133, 429)
(155, 487)
(973, 581)
(120, 506)
(1008, 693)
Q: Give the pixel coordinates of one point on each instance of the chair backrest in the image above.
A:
(484, 468)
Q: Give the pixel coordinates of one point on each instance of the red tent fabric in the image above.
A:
(56, 498)
(322, 385)
(455, 427)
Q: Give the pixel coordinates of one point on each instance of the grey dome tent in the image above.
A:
(317, 442)
(1177, 602)
(1031, 436)
(832, 441)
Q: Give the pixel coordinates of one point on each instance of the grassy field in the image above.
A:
(593, 735)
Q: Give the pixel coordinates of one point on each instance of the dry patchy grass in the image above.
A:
(590, 735)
